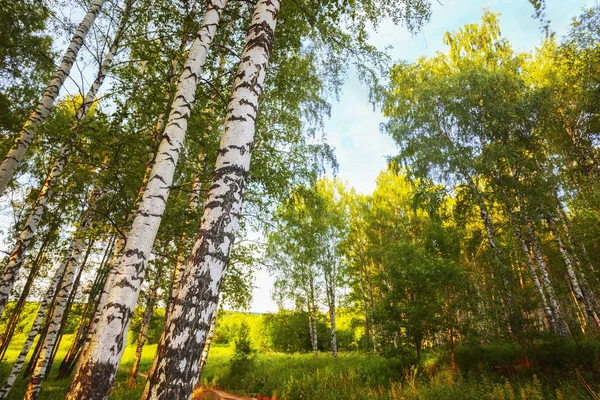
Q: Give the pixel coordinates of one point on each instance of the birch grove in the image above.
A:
(17, 255)
(472, 254)
(97, 371)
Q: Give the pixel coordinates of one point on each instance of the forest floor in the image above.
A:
(565, 371)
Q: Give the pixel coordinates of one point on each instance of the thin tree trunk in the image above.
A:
(331, 303)
(575, 286)
(69, 305)
(313, 314)
(38, 116)
(539, 257)
(68, 363)
(71, 266)
(18, 253)
(363, 296)
(548, 312)
(142, 336)
(312, 326)
(96, 374)
(568, 229)
(188, 321)
(372, 309)
(208, 342)
(14, 318)
(194, 203)
(503, 268)
(18, 365)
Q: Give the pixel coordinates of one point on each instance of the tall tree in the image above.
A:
(37, 117)
(96, 374)
(188, 322)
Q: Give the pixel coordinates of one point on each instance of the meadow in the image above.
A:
(565, 370)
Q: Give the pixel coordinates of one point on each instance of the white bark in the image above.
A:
(578, 292)
(18, 365)
(38, 116)
(548, 312)
(96, 374)
(196, 300)
(331, 301)
(71, 266)
(194, 203)
(546, 281)
(39, 207)
(17, 255)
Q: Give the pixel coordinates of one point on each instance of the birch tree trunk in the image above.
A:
(312, 326)
(546, 281)
(74, 351)
(505, 269)
(207, 343)
(142, 337)
(194, 203)
(96, 375)
(71, 266)
(188, 321)
(372, 309)
(363, 297)
(17, 255)
(39, 207)
(578, 292)
(14, 318)
(38, 116)
(69, 305)
(18, 365)
(548, 312)
(331, 303)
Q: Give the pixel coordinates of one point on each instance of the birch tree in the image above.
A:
(96, 374)
(15, 155)
(189, 319)
(17, 255)
(71, 267)
(18, 365)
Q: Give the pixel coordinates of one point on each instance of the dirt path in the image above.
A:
(208, 394)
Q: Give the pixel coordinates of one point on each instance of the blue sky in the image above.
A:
(353, 128)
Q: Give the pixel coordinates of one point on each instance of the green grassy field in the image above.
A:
(56, 389)
(479, 373)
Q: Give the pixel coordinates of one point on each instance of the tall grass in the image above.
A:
(564, 371)
(354, 376)
(53, 389)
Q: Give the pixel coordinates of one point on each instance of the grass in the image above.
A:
(53, 389)
(479, 374)
(354, 375)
